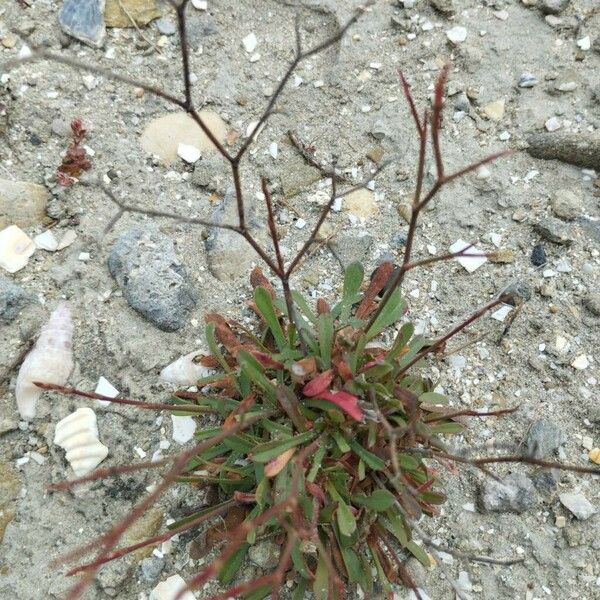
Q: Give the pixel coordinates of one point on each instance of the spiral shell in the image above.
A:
(50, 360)
(78, 435)
(184, 371)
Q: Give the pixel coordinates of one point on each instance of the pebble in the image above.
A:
(494, 110)
(151, 568)
(457, 34)
(142, 12)
(61, 127)
(553, 124)
(538, 256)
(566, 204)
(515, 493)
(361, 203)
(578, 504)
(15, 249)
(169, 590)
(553, 7)
(144, 263)
(46, 241)
(527, 80)
(190, 154)
(592, 303)
(250, 43)
(445, 7)
(183, 428)
(544, 438)
(594, 455)
(166, 26)
(22, 203)
(350, 248)
(581, 362)
(105, 388)
(584, 43)
(211, 173)
(554, 231)
(265, 555)
(84, 21)
(162, 136)
(471, 264)
(200, 4)
(13, 298)
(9, 40)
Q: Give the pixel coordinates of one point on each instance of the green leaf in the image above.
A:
(209, 333)
(391, 312)
(404, 334)
(379, 500)
(255, 372)
(263, 453)
(353, 566)
(196, 515)
(408, 462)
(302, 304)
(447, 428)
(372, 461)
(325, 327)
(321, 582)
(233, 564)
(264, 303)
(298, 561)
(316, 465)
(395, 524)
(300, 591)
(258, 594)
(379, 371)
(353, 278)
(345, 518)
(419, 553)
(381, 576)
(433, 398)
(342, 444)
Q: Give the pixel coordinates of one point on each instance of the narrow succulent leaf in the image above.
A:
(300, 591)
(395, 524)
(304, 308)
(321, 582)
(433, 398)
(353, 566)
(392, 312)
(318, 384)
(263, 453)
(288, 401)
(447, 428)
(255, 512)
(259, 594)
(254, 371)
(372, 461)
(325, 329)
(264, 303)
(317, 460)
(299, 562)
(419, 553)
(381, 576)
(344, 517)
(346, 401)
(342, 444)
(379, 500)
(402, 338)
(211, 340)
(353, 278)
(277, 464)
(362, 470)
(232, 565)
(408, 462)
(196, 515)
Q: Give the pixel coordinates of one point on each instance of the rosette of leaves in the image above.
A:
(340, 425)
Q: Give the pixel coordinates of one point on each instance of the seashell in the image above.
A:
(15, 248)
(78, 435)
(50, 360)
(184, 371)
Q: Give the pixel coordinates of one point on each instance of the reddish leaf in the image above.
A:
(343, 370)
(275, 466)
(319, 384)
(258, 279)
(322, 307)
(316, 491)
(244, 406)
(266, 361)
(346, 401)
(378, 281)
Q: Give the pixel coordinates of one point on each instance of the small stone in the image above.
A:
(376, 154)
(527, 80)
(84, 20)
(147, 526)
(544, 439)
(211, 173)
(9, 40)
(592, 303)
(165, 26)
(560, 522)
(163, 135)
(61, 127)
(554, 7)
(515, 493)
(250, 43)
(350, 248)
(578, 504)
(264, 555)
(584, 43)
(553, 124)
(457, 34)
(105, 388)
(554, 231)
(151, 568)
(190, 154)
(567, 82)
(581, 362)
(470, 264)
(445, 7)
(13, 299)
(46, 241)
(22, 203)
(361, 203)
(587, 442)
(10, 488)
(169, 590)
(144, 263)
(200, 4)
(503, 256)
(15, 248)
(379, 130)
(494, 110)
(594, 455)
(502, 312)
(141, 11)
(566, 204)
(538, 256)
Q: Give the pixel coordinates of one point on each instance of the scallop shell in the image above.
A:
(184, 371)
(78, 435)
(50, 360)
(15, 248)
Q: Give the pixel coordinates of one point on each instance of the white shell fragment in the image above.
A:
(502, 312)
(169, 588)
(50, 360)
(188, 153)
(15, 248)
(183, 428)
(457, 34)
(67, 239)
(250, 43)
(46, 241)
(581, 362)
(105, 388)
(78, 435)
(184, 371)
(469, 263)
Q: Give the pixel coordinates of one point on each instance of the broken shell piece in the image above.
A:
(170, 588)
(15, 248)
(46, 241)
(469, 263)
(67, 239)
(190, 154)
(184, 371)
(78, 435)
(581, 362)
(183, 428)
(105, 388)
(49, 361)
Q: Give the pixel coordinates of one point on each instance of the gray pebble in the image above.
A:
(13, 299)
(84, 20)
(152, 567)
(554, 231)
(350, 248)
(538, 256)
(566, 204)
(144, 263)
(515, 493)
(61, 127)
(527, 80)
(554, 7)
(578, 504)
(166, 26)
(544, 438)
(592, 303)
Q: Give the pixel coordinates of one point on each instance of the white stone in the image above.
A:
(273, 149)
(581, 362)
(578, 504)
(105, 388)
(250, 43)
(200, 4)
(46, 241)
(471, 264)
(496, 239)
(502, 312)
(188, 153)
(457, 34)
(553, 124)
(584, 43)
(15, 248)
(67, 239)
(183, 428)
(169, 588)
(300, 224)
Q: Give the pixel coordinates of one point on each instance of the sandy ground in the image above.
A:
(346, 103)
